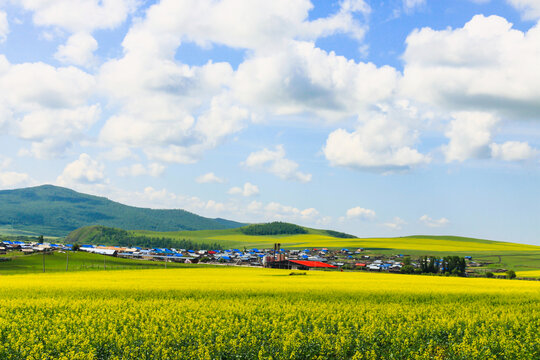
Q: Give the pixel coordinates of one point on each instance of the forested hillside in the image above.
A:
(56, 211)
(101, 235)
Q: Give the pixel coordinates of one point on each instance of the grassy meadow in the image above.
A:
(246, 313)
(16, 262)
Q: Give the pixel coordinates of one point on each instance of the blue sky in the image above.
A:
(385, 118)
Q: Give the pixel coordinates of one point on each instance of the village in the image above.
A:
(276, 257)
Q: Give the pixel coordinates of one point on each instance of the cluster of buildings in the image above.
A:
(30, 247)
(305, 259)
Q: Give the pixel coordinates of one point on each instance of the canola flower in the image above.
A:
(242, 313)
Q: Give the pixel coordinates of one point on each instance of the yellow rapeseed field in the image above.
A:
(529, 273)
(242, 313)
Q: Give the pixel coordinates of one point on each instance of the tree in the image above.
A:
(510, 274)
(407, 269)
(489, 274)
(76, 247)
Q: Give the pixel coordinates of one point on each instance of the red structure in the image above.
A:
(312, 264)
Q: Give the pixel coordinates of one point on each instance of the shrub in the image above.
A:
(407, 269)
(489, 274)
(510, 274)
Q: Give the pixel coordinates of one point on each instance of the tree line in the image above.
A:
(273, 228)
(448, 265)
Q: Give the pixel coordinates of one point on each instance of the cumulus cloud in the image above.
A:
(84, 170)
(177, 112)
(360, 213)
(256, 24)
(79, 50)
(306, 79)
(426, 220)
(209, 178)
(384, 141)
(501, 74)
(11, 179)
(153, 169)
(4, 26)
(470, 135)
(247, 190)
(530, 9)
(79, 15)
(275, 162)
(276, 211)
(165, 199)
(396, 224)
(156, 99)
(513, 151)
(118, 153)
(46, 105)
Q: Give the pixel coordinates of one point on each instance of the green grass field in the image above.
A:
(78, 261)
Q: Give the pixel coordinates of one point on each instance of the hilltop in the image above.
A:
(55, 211)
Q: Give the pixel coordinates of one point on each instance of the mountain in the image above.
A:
(55, 211)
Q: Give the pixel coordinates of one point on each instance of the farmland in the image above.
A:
(241, 313)
(519, 257)
(317, 238)
(18, 263)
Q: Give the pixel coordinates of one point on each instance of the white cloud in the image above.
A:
(153, 169)
(46, 105)
(513, 151)
(12, 179)
(177, 112)
(156, 98)
(470, 135)
(307, 80)
(530, 9)
(396, 224)
(255, 24)
(426, 220)
(248, 190)
(209, 178)
(79, 15)
(411, 4)
(275, 162)
(163, 199)
(79, 50)
(276, 211)
(360, 213)
(383, 142)
(117, 153)
(4, 26)
(501, 74)
(84, 170)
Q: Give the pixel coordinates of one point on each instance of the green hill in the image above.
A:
(101, 235)
(56, 211)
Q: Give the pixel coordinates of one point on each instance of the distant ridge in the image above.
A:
(55, 211)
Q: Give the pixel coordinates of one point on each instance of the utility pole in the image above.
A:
(40, 239)
(67, 259)
(104, 259)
